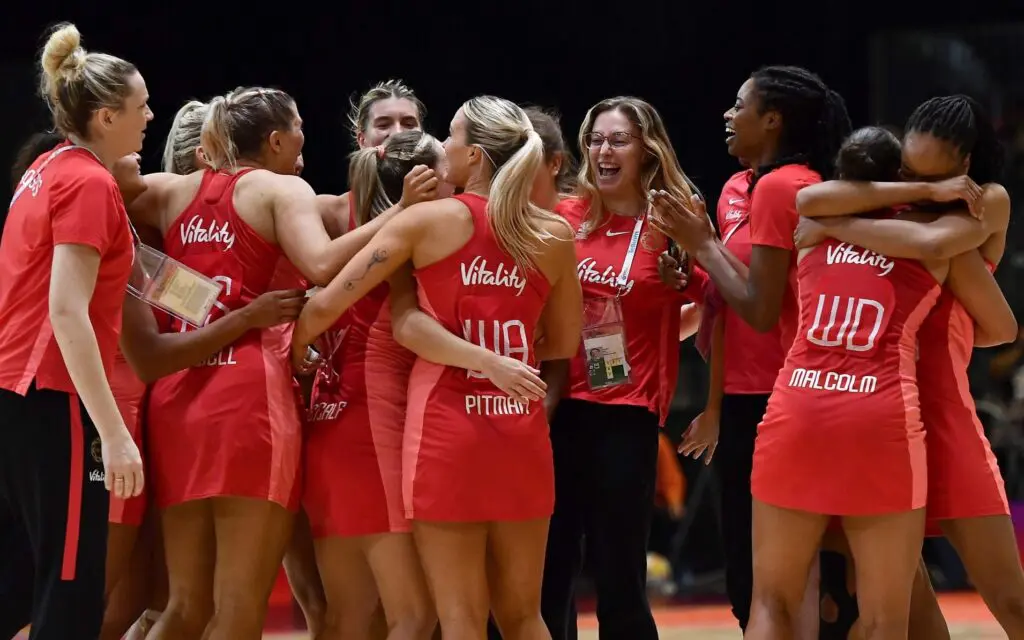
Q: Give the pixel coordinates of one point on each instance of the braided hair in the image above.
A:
(961, 121)
(814, 118)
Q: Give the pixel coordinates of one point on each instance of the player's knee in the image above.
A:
(1009, 605)
(776, 605)
(414, 625)
(312, 601)
(465, 614)
(877, 625)
(187, 616)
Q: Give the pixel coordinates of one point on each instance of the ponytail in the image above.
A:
(512, 215)
(216, 139)
(364, 182)
(183, 138)
(988, 157)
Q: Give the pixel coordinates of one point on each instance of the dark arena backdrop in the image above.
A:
(687, 58)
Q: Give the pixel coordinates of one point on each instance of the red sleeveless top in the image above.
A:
(860, 313)
(366, 364)
(246, 387)
(478, 292)
(843, 434)
(947, 342)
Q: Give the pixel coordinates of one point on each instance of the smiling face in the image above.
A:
(387, 117)
(615, 153)
(748, 131)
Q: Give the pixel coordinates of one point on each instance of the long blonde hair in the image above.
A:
(660, 169)
(502, 129)
(183, 138)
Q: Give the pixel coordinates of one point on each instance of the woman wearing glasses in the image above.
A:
(605, 430)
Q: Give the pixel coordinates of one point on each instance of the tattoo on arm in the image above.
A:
(378, 257)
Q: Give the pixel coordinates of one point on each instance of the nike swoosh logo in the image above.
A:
(736, 200)
(617, 233)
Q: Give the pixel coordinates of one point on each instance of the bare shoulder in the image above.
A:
(333, 211)
(435, 213)
(995, 200)
(994, 192)
(559, 229)
(158, 184)
(165, 197)
(269, 182)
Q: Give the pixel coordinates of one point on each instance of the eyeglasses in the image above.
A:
(616, 140)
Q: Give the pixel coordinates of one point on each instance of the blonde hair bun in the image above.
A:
(63, 53)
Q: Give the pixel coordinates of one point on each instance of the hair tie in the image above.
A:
(381, 151)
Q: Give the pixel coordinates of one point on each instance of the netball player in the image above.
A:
(787, 125)
(465, 445)
(949, 138)
(828, 367)
(228, 461)
(421, 334)
(387, 108)
(65, 259)
(363, 544)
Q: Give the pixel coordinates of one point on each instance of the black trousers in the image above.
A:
(52, 497)
(734, 461)
(606, 460)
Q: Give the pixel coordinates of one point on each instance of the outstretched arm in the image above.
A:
(154, 355)
(843, 197)
(386, 253)
(909, 236)
(840, 197)
(426, 337)
(303, 237)
(924, 236)
(979, 293)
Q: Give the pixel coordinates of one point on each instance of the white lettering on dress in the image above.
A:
(588, 273)
(195, 232)
(844, 253)
(832, 381)
(477, 274)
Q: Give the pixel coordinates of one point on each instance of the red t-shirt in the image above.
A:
(72, 200)
(751, 359)
(650, 310)
(773, 219)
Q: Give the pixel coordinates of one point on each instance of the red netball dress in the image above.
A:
(963, 476)
(471, 452)
(229, 426)
(843, 432)
(353, 473)
(128, 392)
